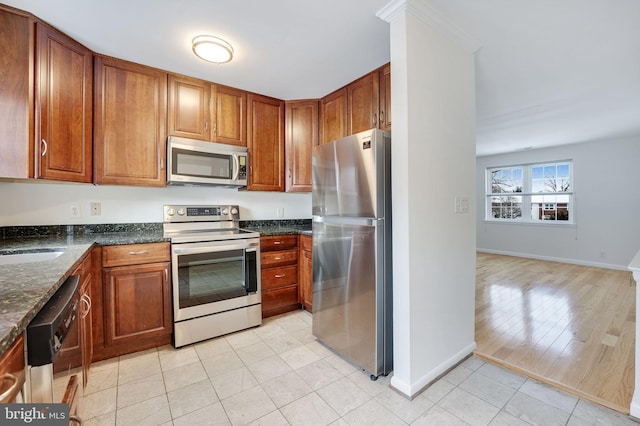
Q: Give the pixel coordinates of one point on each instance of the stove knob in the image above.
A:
(225, 211)
(181, 212)
(171, 212)
(234, 211)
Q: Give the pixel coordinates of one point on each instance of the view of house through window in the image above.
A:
(530, 193)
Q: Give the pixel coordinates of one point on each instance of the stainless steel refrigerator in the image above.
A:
(352, 277)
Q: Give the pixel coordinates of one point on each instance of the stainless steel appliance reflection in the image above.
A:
(352, 276)
(215, 271)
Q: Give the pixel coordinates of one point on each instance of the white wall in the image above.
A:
(31, 203)
(433, 160)
(607, 207)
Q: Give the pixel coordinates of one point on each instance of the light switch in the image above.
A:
(461, 205)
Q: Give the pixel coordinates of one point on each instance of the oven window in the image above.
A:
(210, 277)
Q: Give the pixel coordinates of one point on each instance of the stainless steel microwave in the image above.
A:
(194, 162)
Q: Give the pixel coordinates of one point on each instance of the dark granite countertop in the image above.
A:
(279, 227)
(26, 287)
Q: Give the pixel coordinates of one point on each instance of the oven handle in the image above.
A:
(213, 248)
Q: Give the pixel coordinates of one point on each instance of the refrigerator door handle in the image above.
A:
(360, 221)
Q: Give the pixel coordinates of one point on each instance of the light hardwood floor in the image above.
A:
(567, 325)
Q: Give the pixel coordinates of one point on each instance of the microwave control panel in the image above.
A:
(242, 173)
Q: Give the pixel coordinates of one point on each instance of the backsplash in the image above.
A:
(8, 232)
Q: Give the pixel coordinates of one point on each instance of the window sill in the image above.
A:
(513, 222)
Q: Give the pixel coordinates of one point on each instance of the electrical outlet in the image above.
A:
(74, 210)
(96, 208)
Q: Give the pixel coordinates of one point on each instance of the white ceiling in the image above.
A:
(549, 72)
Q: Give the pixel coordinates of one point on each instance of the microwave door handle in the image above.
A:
(236, 167)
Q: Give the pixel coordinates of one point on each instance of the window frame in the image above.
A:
(527, 195)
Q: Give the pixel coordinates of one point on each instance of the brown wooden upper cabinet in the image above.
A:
(333, 116)
(130, 123)
(265, 129)
(189, 107)
(64, 76)
(301, 122)
(202, 110)
(384, 121)
(361, 105)
(229, 112)
(16, 95)
(363, 101)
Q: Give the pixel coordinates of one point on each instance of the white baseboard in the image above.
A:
(556, 259)
(411, 390)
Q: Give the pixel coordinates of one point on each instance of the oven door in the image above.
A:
(213, 277)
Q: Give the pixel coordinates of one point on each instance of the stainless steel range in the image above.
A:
(215, 269)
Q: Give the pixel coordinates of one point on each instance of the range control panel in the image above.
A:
(179, 213)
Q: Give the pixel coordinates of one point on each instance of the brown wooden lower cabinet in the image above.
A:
(279, 274)
(305, 270)
(78, 346)
(12, 365)
(136, 300)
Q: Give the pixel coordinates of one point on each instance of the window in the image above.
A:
(530, 193)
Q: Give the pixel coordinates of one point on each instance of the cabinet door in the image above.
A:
(301, 122)
(189, 107)
(229, 112)
(86, 334)
(266, 143)
(137, 304)
(305, 271)
(64, 73)
(12, 362)
(16, 95)
(333, 116)
(384, 121)
(130, 123)
(363, 101)
(78, 346)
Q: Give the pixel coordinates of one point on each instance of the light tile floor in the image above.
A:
(278, 374)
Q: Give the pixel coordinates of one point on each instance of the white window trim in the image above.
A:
(526, 195)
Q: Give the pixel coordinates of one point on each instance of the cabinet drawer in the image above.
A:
(278, 242)
(279, 277)
(135, 254)
(279, 297)
(278, 258)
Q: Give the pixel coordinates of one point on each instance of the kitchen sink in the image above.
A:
(12, 257)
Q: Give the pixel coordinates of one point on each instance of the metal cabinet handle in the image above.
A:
(11, 393)
(280, 275)
(382, 116)
(277, 258)
(44, 147)
(133, 253)
(276, 243)
(375, 119)
(215, 128)
(206, 125)
(87, 301)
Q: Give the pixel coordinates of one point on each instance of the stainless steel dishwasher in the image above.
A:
(46, 335)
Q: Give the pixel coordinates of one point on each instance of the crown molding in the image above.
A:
(430, 15)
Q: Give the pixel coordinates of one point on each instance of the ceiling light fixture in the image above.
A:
(212, 49)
